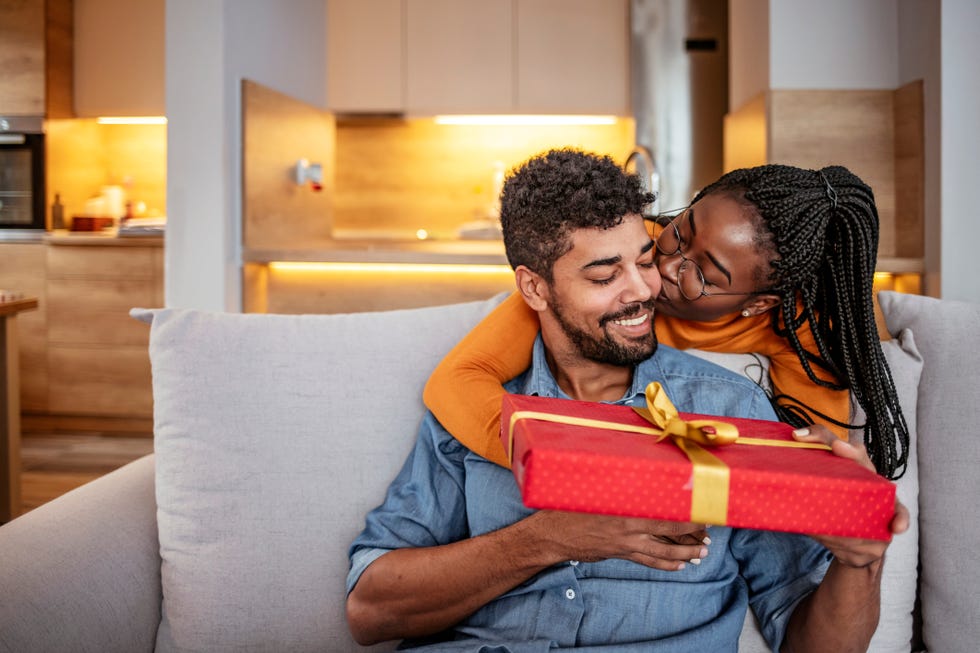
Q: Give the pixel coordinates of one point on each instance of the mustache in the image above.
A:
(631, 310)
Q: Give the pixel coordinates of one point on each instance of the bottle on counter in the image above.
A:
(57, 213)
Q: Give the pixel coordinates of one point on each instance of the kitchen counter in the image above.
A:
(21, 235)
(102, 238)
(467, 252)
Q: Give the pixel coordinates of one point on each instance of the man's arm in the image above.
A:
(421, 591)
(842, 613)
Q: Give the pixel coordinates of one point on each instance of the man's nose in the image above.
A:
(643, 283)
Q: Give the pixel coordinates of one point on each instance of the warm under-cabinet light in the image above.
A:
(400, 268)
(132, 120)
(524, 120)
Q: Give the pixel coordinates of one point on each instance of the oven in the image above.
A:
(22, 201)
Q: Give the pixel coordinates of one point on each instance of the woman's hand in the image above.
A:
(853, 552)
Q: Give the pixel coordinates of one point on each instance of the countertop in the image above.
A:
(471, 252)
(106, 237)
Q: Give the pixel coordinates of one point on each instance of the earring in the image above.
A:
(745, 312)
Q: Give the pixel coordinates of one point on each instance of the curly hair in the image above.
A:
(823, 225)
(555, 193)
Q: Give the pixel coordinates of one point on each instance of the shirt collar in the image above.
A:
(539, 380)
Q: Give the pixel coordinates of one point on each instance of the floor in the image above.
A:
(55, 463)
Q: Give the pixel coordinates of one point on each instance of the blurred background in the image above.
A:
(318, 156)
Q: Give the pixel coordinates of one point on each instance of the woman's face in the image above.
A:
(717, 236)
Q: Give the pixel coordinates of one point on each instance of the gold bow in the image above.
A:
(710, 474)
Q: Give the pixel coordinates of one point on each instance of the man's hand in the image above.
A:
(658, 544)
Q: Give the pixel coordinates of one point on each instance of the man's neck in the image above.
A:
(587, 380)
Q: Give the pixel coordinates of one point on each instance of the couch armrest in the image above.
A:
(82, 573)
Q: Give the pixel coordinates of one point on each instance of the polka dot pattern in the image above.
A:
(584, 469)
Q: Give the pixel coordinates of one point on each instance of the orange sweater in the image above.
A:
(465, 390)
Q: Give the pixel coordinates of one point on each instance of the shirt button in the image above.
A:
(569, 594)
(573, 563)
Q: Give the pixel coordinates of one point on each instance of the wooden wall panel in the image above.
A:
(813, 129)
(22, 57)
(745, 135)
(278, 132)
(397, 176)
(909, 171)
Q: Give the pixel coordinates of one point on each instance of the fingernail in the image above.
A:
(706, 540)
(703, 553)
(799, 433)
(680, 565)
(695, 561)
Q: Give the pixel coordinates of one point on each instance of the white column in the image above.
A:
(960, 227)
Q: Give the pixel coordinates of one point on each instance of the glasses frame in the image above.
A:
(666, 221)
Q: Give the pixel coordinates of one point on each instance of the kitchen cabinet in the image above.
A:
(22, 269)
(97, 358)
(424, 57)
(573, 56)
(119, 58)
(36, 58)
(458, 57)
(364, 56)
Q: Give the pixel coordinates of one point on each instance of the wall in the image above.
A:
(918, 58)
(833, 44)
(211, 47)
(748, 63)
(960, 229)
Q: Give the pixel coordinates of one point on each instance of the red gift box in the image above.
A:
(636, 471)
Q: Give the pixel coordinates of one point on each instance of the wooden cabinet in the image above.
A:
(573, 56)
(364, 56)
(119, 58)
(424, 57)
(97, 357)
(22, 269)
(459, 57)
(36, 58)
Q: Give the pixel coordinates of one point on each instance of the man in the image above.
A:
(453, 560)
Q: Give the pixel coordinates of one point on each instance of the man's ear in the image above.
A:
(532, 287)
(759, 304)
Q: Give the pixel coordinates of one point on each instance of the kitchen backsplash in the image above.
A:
(83, 156)
(395, 176)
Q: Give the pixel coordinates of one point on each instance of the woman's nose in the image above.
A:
(669, 266)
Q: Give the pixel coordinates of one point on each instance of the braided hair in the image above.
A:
(823, 226)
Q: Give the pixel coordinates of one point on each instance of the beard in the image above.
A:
(606, 349)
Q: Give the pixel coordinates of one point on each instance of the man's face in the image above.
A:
(602, 293)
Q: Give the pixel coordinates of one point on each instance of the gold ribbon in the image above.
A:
(710, 475)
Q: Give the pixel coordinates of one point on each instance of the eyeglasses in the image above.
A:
(690, 278)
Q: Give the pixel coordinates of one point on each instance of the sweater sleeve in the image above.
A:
(466, 389)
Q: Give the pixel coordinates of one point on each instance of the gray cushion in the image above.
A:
(274, 436)
(898, 581)
(948, 392)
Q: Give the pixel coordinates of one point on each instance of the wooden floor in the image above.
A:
(55, 463)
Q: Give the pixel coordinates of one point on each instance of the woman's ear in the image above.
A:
(532, 287)
(759, 304)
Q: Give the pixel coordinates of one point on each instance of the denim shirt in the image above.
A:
(446, 493)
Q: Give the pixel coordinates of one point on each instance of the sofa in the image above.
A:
(275, 434)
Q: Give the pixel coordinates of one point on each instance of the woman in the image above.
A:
(773, 260)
